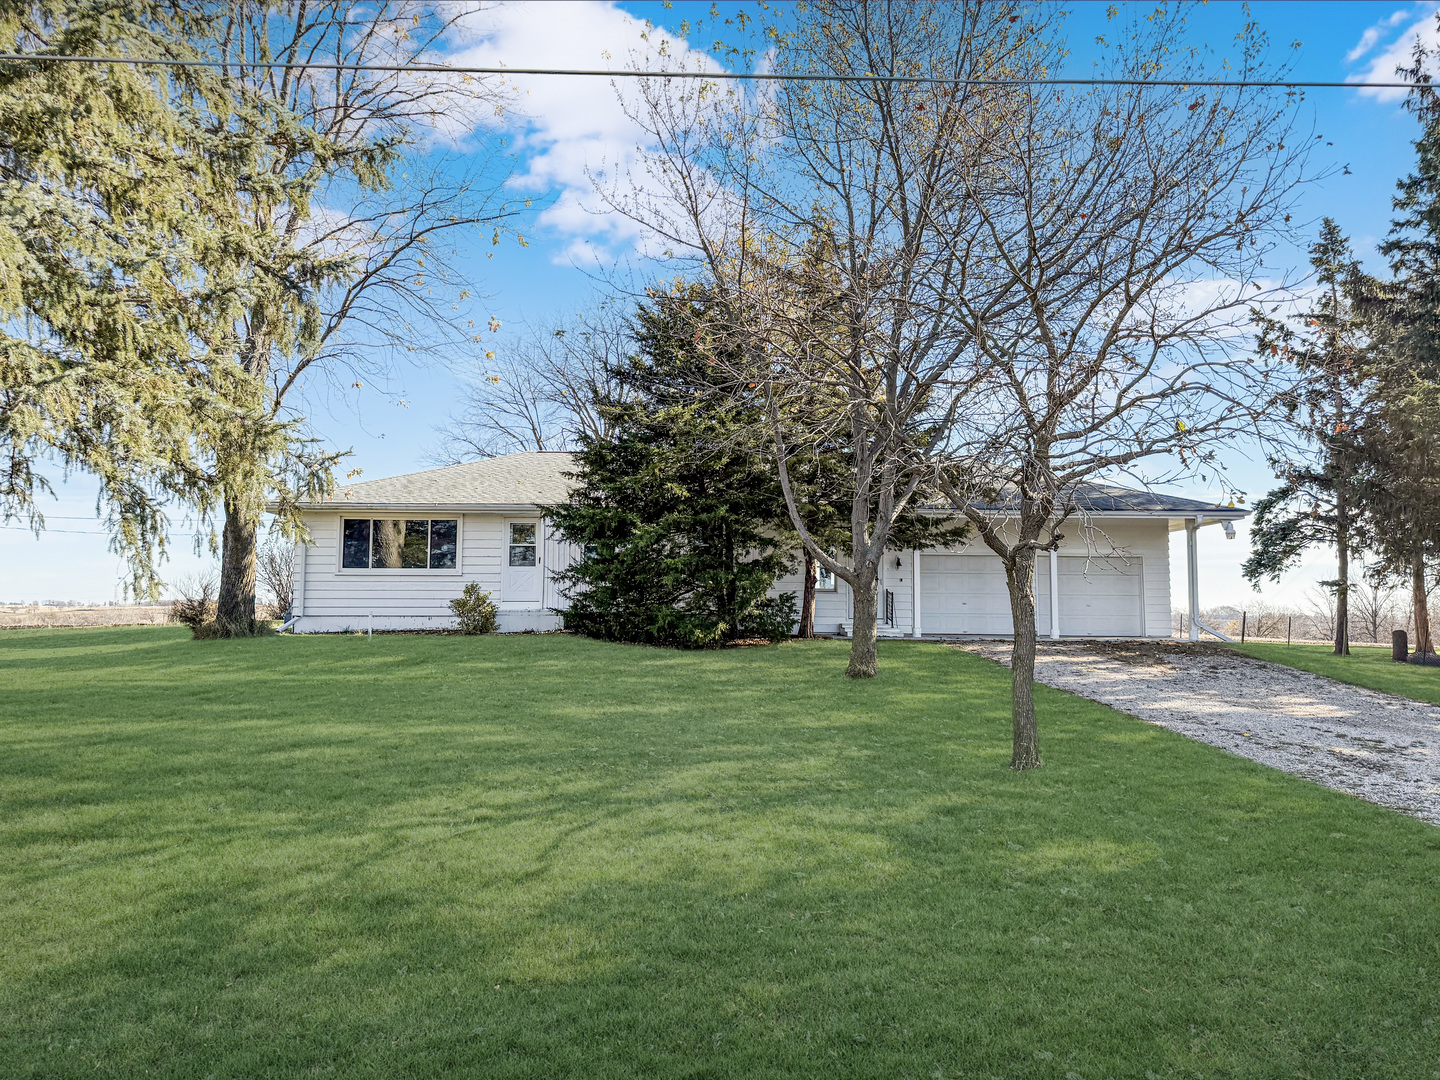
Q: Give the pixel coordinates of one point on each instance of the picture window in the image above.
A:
(399, 543)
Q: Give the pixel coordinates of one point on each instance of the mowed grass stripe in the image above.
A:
(1366, 666)
(541, 856)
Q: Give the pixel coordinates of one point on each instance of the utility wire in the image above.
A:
(738, 76)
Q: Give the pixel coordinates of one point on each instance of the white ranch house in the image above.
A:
(390, 555)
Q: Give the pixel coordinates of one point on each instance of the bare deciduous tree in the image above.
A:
(544, 390)
(348, 268)
(276, 570)
(834, 224)
(1121, 238)
(1373, 610)
(1320, 611)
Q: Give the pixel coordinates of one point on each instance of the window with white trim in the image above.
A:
(522, 543)
(399, 543)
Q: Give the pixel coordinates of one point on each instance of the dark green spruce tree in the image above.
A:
(679, 515)
(1400, 470)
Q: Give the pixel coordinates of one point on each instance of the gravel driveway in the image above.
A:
(1378, 746)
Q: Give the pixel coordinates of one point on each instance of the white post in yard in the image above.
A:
(1193, 566)
(1054, 594)
(915, 596)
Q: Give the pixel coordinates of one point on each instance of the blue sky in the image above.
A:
(564, 126)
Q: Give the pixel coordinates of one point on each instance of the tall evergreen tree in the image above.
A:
(678, 514)
(1401, 466)
(1317, 502)
(117, 284)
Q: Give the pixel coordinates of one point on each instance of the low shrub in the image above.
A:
(194, 605)
(773, 618)
(475, 610)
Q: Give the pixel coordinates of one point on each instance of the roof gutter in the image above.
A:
(429, 508)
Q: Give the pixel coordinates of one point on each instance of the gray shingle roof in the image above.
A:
(515, 480)
(1109, 499)
(536, 479)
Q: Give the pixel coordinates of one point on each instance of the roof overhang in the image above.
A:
(1178, 518)
(428, 509)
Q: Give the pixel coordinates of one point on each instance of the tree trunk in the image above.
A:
(807, 598)
(1342, 589)
(236, 607)
(1423, 644)
(732, 595)
(1020, 577)
(864, 662)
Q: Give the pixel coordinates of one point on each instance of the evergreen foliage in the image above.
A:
(1399, 471)
(179, 246)
(118, 278)
(679, 514)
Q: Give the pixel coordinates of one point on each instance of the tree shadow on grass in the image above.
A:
(778, 874)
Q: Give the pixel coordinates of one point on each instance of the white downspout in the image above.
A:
(1054, 594)
(915, 596)
(1195, 624)
(297, 601)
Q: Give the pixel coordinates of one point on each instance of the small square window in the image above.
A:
(824, 580)
(522, 543)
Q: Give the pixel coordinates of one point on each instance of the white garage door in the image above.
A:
(966, 594)
(963, 594)
(1097, 598)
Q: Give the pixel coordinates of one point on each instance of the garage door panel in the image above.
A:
(1100, 598)
(966, 594)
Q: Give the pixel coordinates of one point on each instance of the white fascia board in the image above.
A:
(1177, 518)
(1209, 517)
(429, 509)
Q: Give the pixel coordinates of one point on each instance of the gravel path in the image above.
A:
(1378, 746)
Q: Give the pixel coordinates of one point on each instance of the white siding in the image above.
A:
(1128, 546)
(330, 598)
(899, 581)
(832, 606)
(833, 609)
(1116, 541)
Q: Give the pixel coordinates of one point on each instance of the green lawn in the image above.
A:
(541, 856)
(1365, 666)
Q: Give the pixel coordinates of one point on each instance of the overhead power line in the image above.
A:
(736, 76)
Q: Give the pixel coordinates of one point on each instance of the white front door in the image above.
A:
(520, 567)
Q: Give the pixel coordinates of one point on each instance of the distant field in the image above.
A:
(17, 616)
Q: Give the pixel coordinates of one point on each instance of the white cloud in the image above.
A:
(1395, 48)
(1372, 36)
(566, 129)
